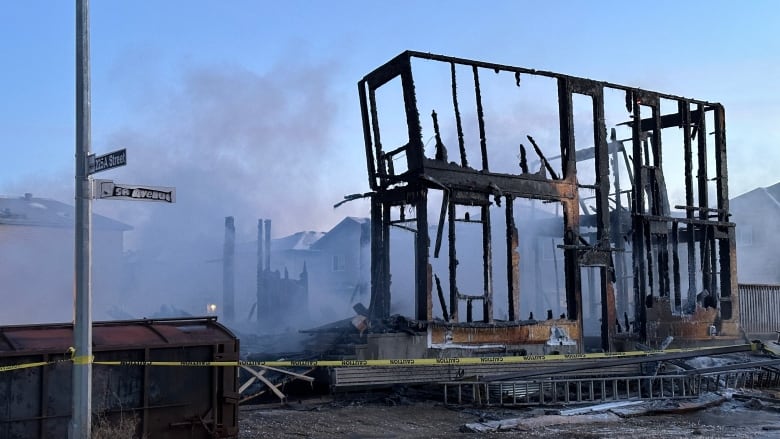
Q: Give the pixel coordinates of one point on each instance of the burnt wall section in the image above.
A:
(480, 153)
(280, 298)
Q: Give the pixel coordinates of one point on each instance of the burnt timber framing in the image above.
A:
(654, 297)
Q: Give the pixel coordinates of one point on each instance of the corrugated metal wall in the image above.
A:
(155, 401)
(759, 308)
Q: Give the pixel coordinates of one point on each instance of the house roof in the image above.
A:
(296, 241)
(348, 223)
(45, 212)
(772, 193)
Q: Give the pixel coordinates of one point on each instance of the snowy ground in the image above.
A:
(394, 416)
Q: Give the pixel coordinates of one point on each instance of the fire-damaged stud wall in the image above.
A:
(577, 227)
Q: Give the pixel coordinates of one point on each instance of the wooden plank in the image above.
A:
(248, 383)
(287, 372)
(273, 387)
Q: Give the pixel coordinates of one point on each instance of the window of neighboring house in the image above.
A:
(744, 236)
(339, 263)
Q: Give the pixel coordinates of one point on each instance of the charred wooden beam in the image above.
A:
(228, 271)
(685, 109)
(458, 123)
(260, 304)
(705, 248)
(379, 307)
(375, 153)
(267, 243)
(547, 165)
(480, 120)
(527, 186)
(441, 150)
(442, 302)
(638, 225)
(487, 266)
(676, 265)
(649, 246)
(665, 121)
(727, 250)
(440, 227)
(566, 120)
(367, 139)
(422, 267)
(607, 289)
(512, 262)
(571, 214)
(453, 261)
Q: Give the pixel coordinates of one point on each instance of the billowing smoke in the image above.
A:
(233, 142)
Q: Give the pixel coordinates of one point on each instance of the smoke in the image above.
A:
(232, 142)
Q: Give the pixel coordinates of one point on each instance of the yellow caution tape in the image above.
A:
(83, 359)
(368, 363)
(24, 366)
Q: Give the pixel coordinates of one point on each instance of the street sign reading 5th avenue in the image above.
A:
(106, 161)
(118, 191)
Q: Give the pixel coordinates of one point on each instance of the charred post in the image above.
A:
(228, 270)
(261, 302)
(512, 262)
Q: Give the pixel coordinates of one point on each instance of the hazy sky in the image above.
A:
(245, 106)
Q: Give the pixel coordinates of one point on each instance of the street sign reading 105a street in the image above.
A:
(106, 161)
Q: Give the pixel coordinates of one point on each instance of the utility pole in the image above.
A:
(81, 420)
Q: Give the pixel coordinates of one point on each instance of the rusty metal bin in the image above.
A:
(155, 401)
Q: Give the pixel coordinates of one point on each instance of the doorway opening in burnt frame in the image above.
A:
(529, 196)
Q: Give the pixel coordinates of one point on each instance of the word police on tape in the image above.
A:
(118, 191)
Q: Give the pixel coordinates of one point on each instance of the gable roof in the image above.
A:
(45, 212)
(296, 241)
(344, 226)
(774, 193)
(299, 241)
(771, 194)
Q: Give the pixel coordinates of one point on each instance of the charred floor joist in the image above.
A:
(631, 265)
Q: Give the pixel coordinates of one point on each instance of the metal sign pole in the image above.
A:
(80, 426)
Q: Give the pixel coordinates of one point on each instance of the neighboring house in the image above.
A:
(341, 261)
(37, 253)
(757, 216)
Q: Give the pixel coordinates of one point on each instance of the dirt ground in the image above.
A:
(391, 416)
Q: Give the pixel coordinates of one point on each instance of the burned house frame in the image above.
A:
(661, 273)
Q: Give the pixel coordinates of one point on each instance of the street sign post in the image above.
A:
(120, 191)
(106, 161)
